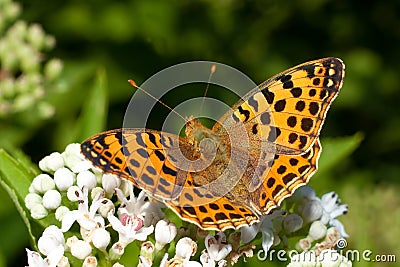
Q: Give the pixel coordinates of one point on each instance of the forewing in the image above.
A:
(289, 108)
(140, 156)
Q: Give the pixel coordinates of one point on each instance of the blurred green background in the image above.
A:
(119, 40)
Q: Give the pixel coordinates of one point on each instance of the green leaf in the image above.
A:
(15, 178)
(94, 112)
(16, 174)
(336, 150)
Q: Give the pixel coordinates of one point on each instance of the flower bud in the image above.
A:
(42, 183)
(165, 232)
(38, 212)
(52, 69)
(80, 249)
(51, 238)
(116, 251)
(90, 261)
(311, 211)
(87, 179)
(110, 182)
(32, 199)
(52, 162)
(106, 207)
(292, 223)
(317, 230)
(185, 248)
(217, 247)
(73, 193)
(64, 178)
(304, 244)
(60, 212)
(147, 250)
(52, 199)
(73, 159)
(101, 238)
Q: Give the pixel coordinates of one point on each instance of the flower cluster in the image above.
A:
(24, 80)
(99, 216)
(304, 210)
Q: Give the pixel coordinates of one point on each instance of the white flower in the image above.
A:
(165, 232)
(38, 212)
(110, 182)
(332, 208)
(74, 160)
(325, 209)
(90, 261)
(265, 226)
(106, 207)
(292, 222)
(129, 228)
(60, 212)
(116, 251)
(52, 199)
(191, 264)
(35, 260)
(147, 249)
(206, 260)
(217, 247)
(51, 238)
(86, 179)
(41, 184)
(73, 193)
(100, 238)
(85, 216)
(53, 259)
(317, 230)
(50, 244)
(80, 249)
(64, 178)
(311, 210)
(149, 210)
(185, 248)
(144, 262)
(32, 199)
(51, 162)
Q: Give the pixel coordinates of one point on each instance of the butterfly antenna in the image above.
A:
(132, 82)
(213, 68)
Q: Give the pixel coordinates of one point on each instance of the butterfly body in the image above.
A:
(255, 156)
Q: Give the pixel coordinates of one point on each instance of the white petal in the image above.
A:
(339, 210)
(267, 239)
(339, 226)
(144, 232)
(68, 220)
(248, 233)
(56, 255)
(35, 260)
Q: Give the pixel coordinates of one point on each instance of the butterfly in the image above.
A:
(254, 157)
